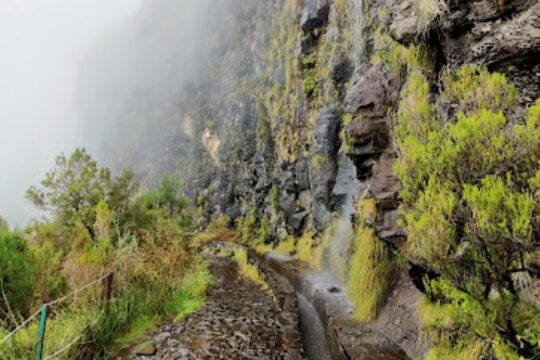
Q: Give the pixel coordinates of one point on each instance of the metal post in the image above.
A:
(107, 288)
(41, 332)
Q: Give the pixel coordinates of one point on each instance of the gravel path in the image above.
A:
(239, 321)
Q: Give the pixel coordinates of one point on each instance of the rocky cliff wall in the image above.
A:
(305, 82)
(292, 115)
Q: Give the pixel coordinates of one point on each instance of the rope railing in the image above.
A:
(75, 292)
(22, 325)
(43, 312)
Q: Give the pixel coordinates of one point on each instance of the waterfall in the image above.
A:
(346, 188)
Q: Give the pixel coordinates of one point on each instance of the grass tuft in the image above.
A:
(248, 270)
(427, 12)
(370, 275)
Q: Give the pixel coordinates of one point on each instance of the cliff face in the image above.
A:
(259, 111)
(303, 84)
(299, 109)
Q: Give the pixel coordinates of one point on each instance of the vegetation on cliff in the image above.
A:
(469, 207)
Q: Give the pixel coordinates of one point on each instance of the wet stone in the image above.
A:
(146, 349)
(238, 321)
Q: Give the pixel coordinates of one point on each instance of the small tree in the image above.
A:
(167, 196)
(76, 185)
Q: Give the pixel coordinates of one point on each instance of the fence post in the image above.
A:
(107, 288)
(41, 332)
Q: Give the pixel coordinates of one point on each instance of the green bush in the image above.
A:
(461, 327)
(473, 88)
(168, 195)
(470, 200)
(3, 225)
(49, 281)
(17, 272)
(309, 84)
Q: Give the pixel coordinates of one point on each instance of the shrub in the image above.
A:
(17, 273)
(49, 282)
(468, 206)
(430, 226)
(473, 88)
(462, 327)
(319, 160)
(286, 246)
(309, 83)
(218, 230)
(396, 58)
(3, 225)
(99, 226)
(304, 247)
(74, 187)
(274, 197)
(167, 196)
(248, 270)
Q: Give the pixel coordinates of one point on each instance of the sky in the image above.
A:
(42, 46)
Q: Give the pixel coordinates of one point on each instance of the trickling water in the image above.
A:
(313, 333)
(346, 188)
(356, 26)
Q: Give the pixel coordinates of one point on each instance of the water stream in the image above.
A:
(313, 332)
(346, 188)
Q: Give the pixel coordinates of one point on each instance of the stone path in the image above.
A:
(239, 321)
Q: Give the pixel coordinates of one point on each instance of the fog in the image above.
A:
(113, 76)
(42, 46)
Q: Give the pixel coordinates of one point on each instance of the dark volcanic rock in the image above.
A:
(373, 94)
(511, 41)
(314, 15)
(371, 131)
(368, 101)
(326, 135)
(287, 181)
(342, 69)
(297, 220)
(323, 169)
(301, 169)
(286, 202)
(403, 27)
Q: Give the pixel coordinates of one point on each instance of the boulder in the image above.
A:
(403, 27)
(286, 201)
(296, 221)
(385, 185)
(287, 181)
(388, 229)
(373, 94)
(373, 132)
